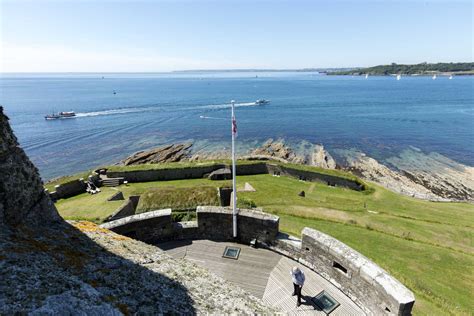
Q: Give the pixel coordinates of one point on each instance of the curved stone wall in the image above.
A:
(213, 222)
(371, 287)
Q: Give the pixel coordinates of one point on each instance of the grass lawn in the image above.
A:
(426, 245)
(177, 198)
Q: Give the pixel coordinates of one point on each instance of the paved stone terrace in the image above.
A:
(262, 273)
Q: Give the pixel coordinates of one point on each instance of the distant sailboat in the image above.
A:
(366, 76)
(399, 77)
(434, 77)
(450, 77)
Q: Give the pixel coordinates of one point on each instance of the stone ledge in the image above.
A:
(241, 212)
(136, 218)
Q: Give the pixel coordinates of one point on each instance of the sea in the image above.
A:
(380, 116)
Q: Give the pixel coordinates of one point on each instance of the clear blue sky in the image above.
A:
(75, 35)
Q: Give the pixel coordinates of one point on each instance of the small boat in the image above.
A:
(450, 77)
(434, 77)
(60, 115)
(366, 76)
(262, 102)
(399, 77)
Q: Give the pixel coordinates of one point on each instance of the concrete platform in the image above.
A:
(262, 273)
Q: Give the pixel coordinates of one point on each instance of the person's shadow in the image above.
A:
(308, 300)
(58, 269)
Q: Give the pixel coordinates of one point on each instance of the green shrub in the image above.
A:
(243, 202)
(183, 216)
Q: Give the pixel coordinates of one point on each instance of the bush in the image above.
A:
(183, 216)
(245, 203)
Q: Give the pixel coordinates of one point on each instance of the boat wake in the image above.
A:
(115, 112)
(161, 108)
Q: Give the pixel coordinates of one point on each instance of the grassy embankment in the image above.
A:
(426, 245)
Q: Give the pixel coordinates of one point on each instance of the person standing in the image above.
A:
(298, 278)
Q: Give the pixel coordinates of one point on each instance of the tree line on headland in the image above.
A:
(417, 69)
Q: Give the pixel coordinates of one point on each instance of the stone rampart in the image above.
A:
(314, 176)
(371, 287)
(251, 169)
(68, 189)
(213, 222)
(128, 208)
(216, 223)
(241, 169)
(368, 285)
(149, 227)
(164, 174)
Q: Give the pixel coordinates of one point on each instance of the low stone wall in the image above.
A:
(371, 287)
(213, 222)
(149, 227)
(242, 169)
(216, 223)
(368, 285)
(251, 169)
(164, 174)
(128, 208)
(314, 176)
(68, 189)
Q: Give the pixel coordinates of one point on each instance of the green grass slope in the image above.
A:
(426, 245)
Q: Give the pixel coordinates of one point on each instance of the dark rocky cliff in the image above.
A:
(22, 196)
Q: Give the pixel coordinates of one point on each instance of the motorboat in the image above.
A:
(60, 115)
(262, 102)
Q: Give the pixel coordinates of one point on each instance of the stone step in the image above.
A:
(111, 182)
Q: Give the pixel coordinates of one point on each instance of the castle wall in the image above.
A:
(314, 176)
(164, 174)
(128, 208)
(68, 189)
(371, 287)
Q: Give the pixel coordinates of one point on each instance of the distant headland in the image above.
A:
(414, 70)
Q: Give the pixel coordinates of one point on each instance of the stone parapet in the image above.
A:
(371, 287)
(216, 223)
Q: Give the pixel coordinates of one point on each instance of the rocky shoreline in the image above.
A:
(413, 173)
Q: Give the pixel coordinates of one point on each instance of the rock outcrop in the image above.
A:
(277, 149)
(439, 174)
(50, 267)
(168, 153)
(321, 158)
(370, 169)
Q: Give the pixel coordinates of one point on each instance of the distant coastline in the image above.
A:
(422, 69)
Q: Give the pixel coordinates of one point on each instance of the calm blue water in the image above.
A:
(378, 115)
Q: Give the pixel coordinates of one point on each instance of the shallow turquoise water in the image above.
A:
(379, 115)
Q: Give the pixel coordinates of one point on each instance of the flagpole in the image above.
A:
(234, 191)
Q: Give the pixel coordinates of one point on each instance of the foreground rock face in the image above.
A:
(50, 267)
(84, 269)
(168, 153)
(21, 189)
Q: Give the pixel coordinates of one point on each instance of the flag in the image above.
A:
(234, 126)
